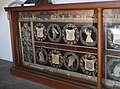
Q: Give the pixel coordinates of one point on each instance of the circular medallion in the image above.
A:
(70, 34)
(88, 35)
(55, 58)
(41, 56)
(113, 36)
(114, 68)
(39, 32)
(54, 32)
(71, 61)
(88, 64)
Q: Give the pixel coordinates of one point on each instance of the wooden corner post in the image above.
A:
(100, 18)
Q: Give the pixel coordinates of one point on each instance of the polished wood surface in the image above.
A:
(100, 35)
(95, 5)
(75, 48)
(53, 81)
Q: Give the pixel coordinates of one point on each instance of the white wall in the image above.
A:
(5, 41)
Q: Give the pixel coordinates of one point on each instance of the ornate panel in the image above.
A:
(112, 28)
(112, 71)
(112, 47)
(69, 27)
(79, 65)
(27, 41)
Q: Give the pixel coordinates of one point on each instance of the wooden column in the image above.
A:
(100, 17)
(12, 37)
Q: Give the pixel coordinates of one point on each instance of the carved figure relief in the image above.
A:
(113, 68)
(41, 56)
(88, 35)
(71, 61)
(116, 70)
(54, 32)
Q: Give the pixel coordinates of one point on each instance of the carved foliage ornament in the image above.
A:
(27, 41)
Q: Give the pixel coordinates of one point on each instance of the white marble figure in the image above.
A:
(54, 32)
(88, 33)
(55, 58)
(70, 34)
(71, 60)
(41, 56)
(89, 65)
(40, 32)
(116, 70)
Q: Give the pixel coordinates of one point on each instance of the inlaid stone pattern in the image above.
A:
(74, 27)
(83, 63)
(66, 16)
(27, 45)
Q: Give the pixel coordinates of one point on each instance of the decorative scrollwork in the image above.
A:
(27, 41)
